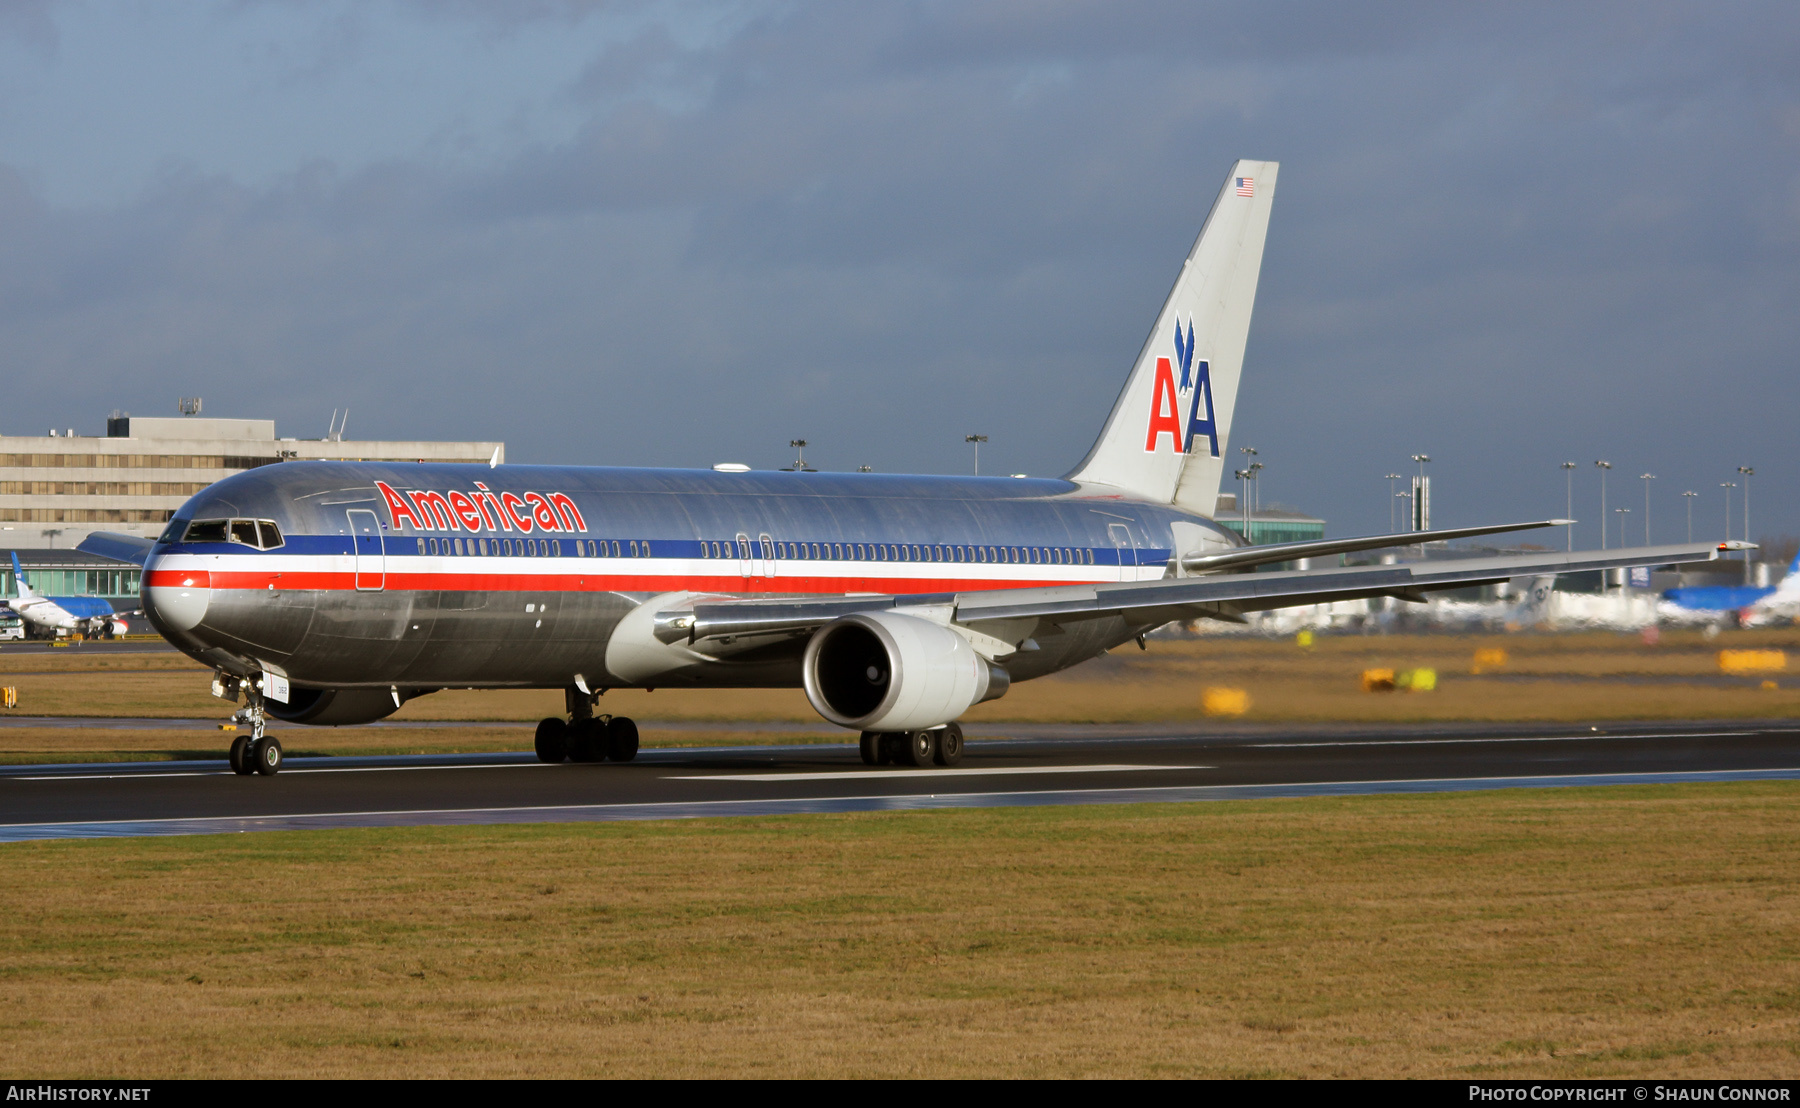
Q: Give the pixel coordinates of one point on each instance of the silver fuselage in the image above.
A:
(431, 576)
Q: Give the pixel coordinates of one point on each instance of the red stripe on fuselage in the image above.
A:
(181, 578)
(402, 581)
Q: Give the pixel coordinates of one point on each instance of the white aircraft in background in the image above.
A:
(53, 614)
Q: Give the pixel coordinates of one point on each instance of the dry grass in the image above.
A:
(1593, 676)
(1645, 932)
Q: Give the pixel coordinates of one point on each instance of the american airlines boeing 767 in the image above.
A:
(333, 592)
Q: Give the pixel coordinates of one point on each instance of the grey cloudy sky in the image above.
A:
(679, 233)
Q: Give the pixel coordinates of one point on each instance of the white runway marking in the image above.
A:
(886, 774)
(284, 772)
(1530, 739)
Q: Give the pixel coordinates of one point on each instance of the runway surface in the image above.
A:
(1063, 764)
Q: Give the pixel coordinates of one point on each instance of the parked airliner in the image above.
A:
(334, 592)
(51, 615)
(1751, 605)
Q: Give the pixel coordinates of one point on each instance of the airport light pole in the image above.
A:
(1256, 487)
(1569, 475)
(1646, 478)
(1621, 513)
(1421, 505)
(1689, 497)
(977, 440)
(1748, 473)
(1242, 476)
(1392, 496)
(1603, 467)
(1249, 453)
(1728, 486)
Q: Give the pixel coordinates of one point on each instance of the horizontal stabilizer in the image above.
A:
(118, 547)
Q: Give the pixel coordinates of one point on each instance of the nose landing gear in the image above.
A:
(585, 737)
(257, 752)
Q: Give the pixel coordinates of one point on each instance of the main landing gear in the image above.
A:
(585, 737)
(257, 752)
(942, 746)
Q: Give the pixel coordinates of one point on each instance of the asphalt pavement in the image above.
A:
(1040, 765)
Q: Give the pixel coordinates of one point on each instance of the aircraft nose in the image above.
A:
(175, 596)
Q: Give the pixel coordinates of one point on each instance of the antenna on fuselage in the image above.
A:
(494, 462)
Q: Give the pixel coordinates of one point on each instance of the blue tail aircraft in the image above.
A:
(52, 614)
(1737, 598)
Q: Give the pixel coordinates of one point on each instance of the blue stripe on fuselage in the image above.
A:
(676, 510)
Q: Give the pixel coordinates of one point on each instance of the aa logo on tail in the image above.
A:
(1166, 399)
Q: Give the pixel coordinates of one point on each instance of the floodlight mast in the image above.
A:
(976, 440)
(1748, 472)
(1603, 467)
(1569, 474)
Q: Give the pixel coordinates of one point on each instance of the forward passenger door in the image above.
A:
(370, 550)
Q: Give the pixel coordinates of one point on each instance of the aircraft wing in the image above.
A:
(118, 547)
(1265, 553)
(1152, 603)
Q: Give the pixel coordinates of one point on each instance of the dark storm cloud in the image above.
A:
(1505, 235)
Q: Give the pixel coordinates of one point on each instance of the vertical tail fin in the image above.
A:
(25, 592)
(1166, 437)
(1787, 590)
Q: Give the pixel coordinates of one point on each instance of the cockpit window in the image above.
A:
(260, 533)
(172, 533)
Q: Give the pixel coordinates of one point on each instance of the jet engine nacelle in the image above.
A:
(338, 707)
(882, 671)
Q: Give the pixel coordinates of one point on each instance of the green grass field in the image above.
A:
(1645, 931)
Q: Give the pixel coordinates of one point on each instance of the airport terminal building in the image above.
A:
(57, 488)
(1267, 525)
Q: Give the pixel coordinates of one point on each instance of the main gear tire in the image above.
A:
(949, 746)
(621, 739)
(552, 741)
(916, 748)
(587, 741)
(266, 752)
(871, 748)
